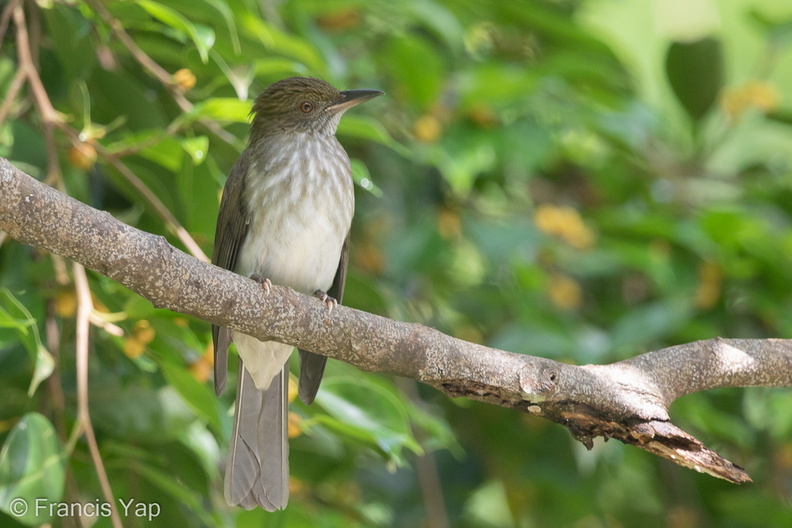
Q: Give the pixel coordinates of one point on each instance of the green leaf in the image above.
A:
(284, 43)
(132, 411)
(167, 153)
(653, 321)
(420, 86)
(363, 410)
(226, 109)
(695, 72)
(781, 116)
(240, 76)
(202, 36)
(167, 484)
(72, 43)
(275, 66)
(369, 129)
(440, 20)
(228, 17)
(197, 438)
(14, 314)
(9, 321)
(779, 31)
(196, 147)
(32, 468)
(462, 158)
(362, 177)
(196, 395)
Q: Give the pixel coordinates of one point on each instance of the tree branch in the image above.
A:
(627, 400)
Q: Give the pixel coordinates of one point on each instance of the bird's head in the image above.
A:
(303, 104)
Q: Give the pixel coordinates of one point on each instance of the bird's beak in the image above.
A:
(350, 98)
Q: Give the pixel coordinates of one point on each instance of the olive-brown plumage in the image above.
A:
(285, 215)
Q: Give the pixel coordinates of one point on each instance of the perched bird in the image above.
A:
(284, 217)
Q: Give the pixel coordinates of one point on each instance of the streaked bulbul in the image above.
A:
(284, 217)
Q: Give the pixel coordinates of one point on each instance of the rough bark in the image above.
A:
(627, 400)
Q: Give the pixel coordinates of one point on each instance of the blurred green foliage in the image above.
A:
(582, 180)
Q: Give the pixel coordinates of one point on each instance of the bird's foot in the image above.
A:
(266, 285)
(329, 301)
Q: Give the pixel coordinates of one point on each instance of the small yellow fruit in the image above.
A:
(564, 292)
(82, 156)
(184, 79)
(143, 332)
(133, 348)
(66, 303)
(427, 128)
(294, 425)
(201, 370)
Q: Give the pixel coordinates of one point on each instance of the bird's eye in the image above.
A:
(306, 107)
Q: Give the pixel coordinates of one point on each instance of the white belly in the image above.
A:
(303, 256)
(295, 237)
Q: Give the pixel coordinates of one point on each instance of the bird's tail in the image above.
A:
(257, 470)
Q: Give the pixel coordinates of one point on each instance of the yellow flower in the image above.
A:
(142, 335)
(710, 279)
(565, 223)
(184, 79)
(762, 95)
(143, 331)
(133, 348)
(294, 425)
(82, 156)
(564, 292)
(66, 303)
(427, 128)
(201, 368)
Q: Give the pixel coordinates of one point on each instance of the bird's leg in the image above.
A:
(329, 301)
(266, 285)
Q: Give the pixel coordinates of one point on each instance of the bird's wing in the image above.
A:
(312, 365)
(230, 233)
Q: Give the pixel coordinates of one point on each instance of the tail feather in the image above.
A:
(312, 368)
(257, 471)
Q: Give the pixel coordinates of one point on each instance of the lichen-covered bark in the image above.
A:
(627, 400)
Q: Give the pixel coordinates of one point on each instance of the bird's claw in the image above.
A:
(329, 301)
(266, 284)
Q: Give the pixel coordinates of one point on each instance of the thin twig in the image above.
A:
(26, 63)
(16, 84)
(49, 117)
(107, 326)
(34, 31)
(84, 308)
